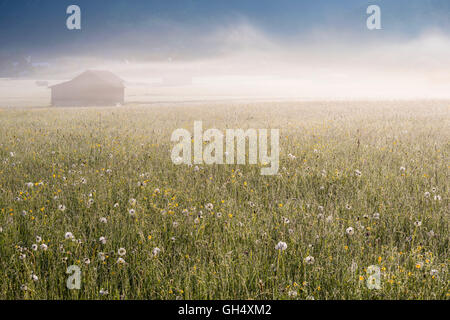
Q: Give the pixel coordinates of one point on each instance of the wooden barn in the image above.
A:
(91, 88)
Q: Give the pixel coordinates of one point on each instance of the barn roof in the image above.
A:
(92, 77)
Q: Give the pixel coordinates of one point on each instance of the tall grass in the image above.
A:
(89, 163)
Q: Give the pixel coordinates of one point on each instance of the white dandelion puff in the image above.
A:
(281, 246)
(350, 231)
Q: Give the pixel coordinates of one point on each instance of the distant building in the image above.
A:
(91, 88)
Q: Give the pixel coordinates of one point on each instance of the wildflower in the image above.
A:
(34, 247)
(87, 261)
(29, 184)
(116, 205)
(156, 191)
(434, 272)
(121, 261)
(292, 293)
(83, 181)
(350, 231)
(286, 221)
(122, 251)
(197, 220)
(281, 246)
(102, 240)
(175, 224)
(1, 229)
(103, 292)
(173, 239)
(358, 173)
(44, 247)
(22, 256)
(418, 223)
(196, 168)
(156, 251)
(61, 207)
(348, 207)
(24, 213)
(402, 169)
(101, 256)
(433, 189)
(320, 208)
(218, 214)
(291, 156)
(437, 198)
(132, 202)
(309, 260)
(209, 206)
(103, 220)
(24, 287)
(376, 216)
(419, 265)
(132, 212)
(34, 277)
(38, 239)
(90, 202)
(68, 236)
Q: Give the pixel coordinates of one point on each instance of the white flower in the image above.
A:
(103, 220)
(121, 261)
(132, 212)
(30, 184)
(61, 207)
(156, 191)
(403, 169)
(286, 220)
(103, 292)
(196, 168)
(292, 293)
(122, 251)
(83, 181)
(34, 277)
(418, 223)
(348, 207)
(22, 256)
(101, 256)
(44, 247)
(116, 205)
(24, 213)
(291, 156)
(175, 224)
(87, 261)
(68, 235)
(281, 246)
(358, 173)
(433, 189)
(309, 260)
(219, 214)
(23, 287)
(350, 231)
(427, 194)
(209, 206)
(1, 229)
(11, 154)
(156, 251)
(376, 215)
(38, 239)
(132, 202)
(34, 247)
(102, 240)
(434, 272)
(437, 198)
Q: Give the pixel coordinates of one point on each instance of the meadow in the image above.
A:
(360, 184)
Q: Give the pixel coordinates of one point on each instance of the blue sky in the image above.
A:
(38, 26)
